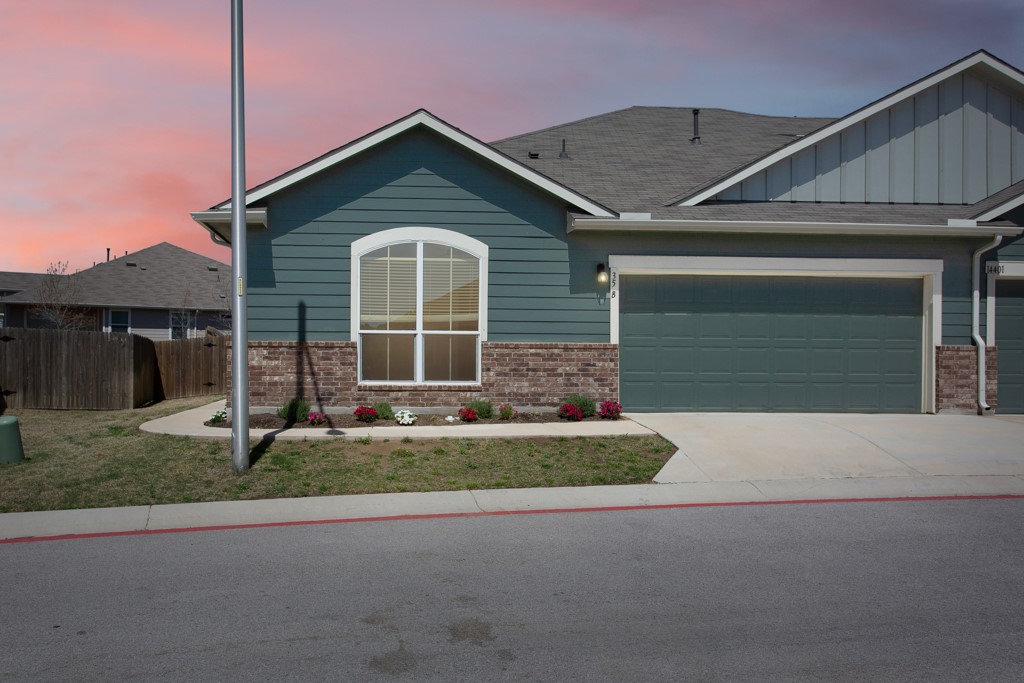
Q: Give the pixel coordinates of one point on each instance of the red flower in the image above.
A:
(571, 412)
(467, 415)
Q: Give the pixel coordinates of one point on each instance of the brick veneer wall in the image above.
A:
(524, 374)
(957, 378)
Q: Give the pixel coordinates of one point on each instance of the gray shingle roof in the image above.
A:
(640, 158)
(18, 282)
(161, 276)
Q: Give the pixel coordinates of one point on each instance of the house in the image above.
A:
(675, 259)
(161, 292)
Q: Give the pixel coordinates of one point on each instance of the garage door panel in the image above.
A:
(774, 343)
(1010, 342)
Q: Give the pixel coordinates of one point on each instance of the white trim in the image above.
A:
(419, 236)
(1011, 270)
(854, 118)
(929, 270)
(786, 227)
(998, 211)
(424, 118)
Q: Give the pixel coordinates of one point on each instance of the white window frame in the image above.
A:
(929, 270)
(190, 329)
(418, 236)
(110, 318)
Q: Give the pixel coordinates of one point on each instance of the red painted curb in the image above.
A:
(496, 513)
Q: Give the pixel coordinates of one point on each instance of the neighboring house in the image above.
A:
(726, 262)
(12, 283)
(161, 292)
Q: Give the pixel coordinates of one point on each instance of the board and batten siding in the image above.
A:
(954, 143)
(300, 271)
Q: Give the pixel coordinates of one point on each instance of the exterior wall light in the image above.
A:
(602, 274)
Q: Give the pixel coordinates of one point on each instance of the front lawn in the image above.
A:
(87, 459)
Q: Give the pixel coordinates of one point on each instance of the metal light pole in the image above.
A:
(239, 315)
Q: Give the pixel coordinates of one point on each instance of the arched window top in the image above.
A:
(417, 234)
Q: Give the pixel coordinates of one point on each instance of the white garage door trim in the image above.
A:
(1000, 270)
(930, 270)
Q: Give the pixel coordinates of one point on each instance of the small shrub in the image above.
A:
(405, 417)
(365, 414)
(484, 409)
(507, 412)
(316, 418)
(611, 410)
(295, 410)
(384, 411)
(570, 412)
(219, 416)
(587, 405)
(468, 415)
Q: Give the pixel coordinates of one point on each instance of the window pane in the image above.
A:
(388, 357)
(451, 289)
(387, 288)
(449, 357)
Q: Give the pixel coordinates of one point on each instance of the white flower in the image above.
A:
(449, 419)
(405, 417)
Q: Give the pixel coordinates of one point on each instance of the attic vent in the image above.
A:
(212, 269)
(131, 264)
(533, 155)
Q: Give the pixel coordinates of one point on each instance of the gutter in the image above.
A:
(218, 222)
(953, 228)
(976, 318)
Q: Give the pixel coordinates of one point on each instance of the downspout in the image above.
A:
(976, 317)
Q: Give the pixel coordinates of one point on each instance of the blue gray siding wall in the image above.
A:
(954, 143)
(299, 271)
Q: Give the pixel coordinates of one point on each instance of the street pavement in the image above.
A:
(913, 590)
(722, 458)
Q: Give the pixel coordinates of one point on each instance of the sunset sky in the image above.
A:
(115, 114)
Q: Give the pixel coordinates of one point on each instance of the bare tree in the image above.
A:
(183, 318)
(60, 300)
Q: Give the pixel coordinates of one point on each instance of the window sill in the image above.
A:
(419, 387)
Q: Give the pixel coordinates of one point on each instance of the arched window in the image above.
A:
(419, 306)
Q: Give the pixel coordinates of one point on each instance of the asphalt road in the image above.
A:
(895, 591)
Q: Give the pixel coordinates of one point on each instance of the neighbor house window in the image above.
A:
(120, 321)
(419, 308)
(181, 323)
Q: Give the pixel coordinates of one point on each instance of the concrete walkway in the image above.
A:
(722, 458)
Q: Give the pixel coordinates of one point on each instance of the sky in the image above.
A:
(115, 115)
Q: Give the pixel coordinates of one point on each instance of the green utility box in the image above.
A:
(11, 450)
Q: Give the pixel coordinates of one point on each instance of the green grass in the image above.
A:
(88, 459)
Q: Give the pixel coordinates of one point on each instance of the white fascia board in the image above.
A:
(998, 211)
(852, 119)
(214, 219)
(423, 118)
(788, 227)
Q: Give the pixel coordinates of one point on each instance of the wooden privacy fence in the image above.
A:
(58, 369)
(193, 367)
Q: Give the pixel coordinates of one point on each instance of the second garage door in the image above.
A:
(794, 344)
(1010, 340)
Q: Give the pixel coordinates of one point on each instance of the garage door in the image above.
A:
(798, 344)
(1010, 341)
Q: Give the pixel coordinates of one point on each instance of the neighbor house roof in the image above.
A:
(11, 283)
(161, 276)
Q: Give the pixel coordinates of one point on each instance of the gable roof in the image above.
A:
(980, 59)
(639, 158)
(427, 120)
(161, 276)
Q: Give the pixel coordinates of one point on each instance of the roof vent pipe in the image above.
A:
(563, 154)
(695, 140)
(108, 253)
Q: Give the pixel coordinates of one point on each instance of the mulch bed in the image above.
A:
(348, 421)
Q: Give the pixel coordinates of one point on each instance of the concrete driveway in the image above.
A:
(776, 448)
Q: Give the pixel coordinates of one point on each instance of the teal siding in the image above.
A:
(541, 288)
(956, 142)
